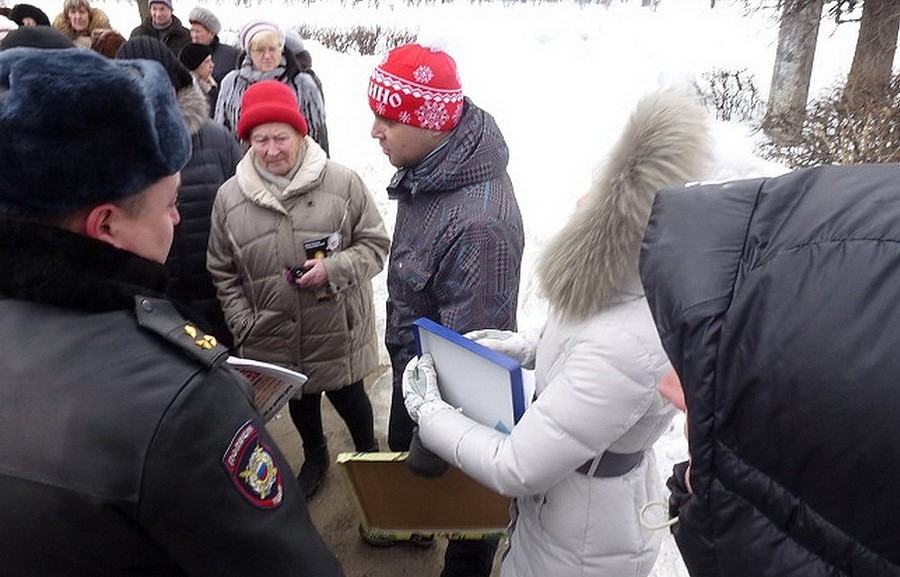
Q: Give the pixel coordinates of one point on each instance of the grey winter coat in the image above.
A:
(215, 154)
(458, 239)
(256, 236)
(236, 82)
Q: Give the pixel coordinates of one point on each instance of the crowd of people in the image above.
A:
(196, 215)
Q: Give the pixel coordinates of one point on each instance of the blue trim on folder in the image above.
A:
(508, 363)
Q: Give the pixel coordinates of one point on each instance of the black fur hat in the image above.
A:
(78, 129)
(20, 12)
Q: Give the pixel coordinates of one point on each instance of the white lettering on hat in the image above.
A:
(381, 94)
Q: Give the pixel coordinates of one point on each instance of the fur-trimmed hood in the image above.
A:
(194, 107)
(594, 258)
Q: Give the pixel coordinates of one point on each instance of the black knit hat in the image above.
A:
(35, 37)
(78, 129)
(147, 48)
(193, 55)
(20, 12)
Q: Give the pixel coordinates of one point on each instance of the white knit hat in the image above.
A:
(254, 27)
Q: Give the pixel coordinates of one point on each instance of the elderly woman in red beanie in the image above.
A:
(295, 242)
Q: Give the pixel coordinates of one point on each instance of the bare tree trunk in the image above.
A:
(870, 72)
(797, 37)
(143, 9)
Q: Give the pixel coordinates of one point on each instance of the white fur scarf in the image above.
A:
(595, 256)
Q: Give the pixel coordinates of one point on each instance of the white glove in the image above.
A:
(420, 388)
(520, 346)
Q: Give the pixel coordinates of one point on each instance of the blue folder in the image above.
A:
(485, 384)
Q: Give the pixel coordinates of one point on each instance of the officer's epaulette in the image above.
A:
(161, 317)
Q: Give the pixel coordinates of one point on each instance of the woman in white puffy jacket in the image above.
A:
(580, 462)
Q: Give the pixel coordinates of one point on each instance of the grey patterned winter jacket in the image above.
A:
(458, 238)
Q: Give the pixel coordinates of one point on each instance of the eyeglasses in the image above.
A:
(260, 50)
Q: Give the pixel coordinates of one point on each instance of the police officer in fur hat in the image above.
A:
(127, 445)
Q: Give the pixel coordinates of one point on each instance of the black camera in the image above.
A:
(293, 273)
(298, 271)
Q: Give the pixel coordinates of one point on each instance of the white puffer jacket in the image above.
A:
(598, 362)
(596, 385)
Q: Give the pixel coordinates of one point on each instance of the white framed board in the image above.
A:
(487, 385)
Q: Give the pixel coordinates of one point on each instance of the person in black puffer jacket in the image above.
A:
(776, 301)
(215, 154)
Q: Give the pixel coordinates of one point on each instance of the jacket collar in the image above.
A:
(475, 152)
(310, 174)
(52, 266)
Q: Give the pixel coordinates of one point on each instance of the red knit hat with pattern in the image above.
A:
(269, 101)
(418, 86)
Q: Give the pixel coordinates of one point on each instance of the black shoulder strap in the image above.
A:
(160, 316)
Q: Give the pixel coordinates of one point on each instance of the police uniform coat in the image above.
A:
(255, 236)
(597, 364)
(776, 300)
(127, 446)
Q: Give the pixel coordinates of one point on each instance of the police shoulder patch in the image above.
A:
(252, 469)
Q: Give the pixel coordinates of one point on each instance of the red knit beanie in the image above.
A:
(418, 86)
(269, 101)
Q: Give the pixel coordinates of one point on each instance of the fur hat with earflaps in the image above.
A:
(78, 129)
(36, 37)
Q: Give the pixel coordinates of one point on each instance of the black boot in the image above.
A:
(312, 473)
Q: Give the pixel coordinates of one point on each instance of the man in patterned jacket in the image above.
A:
(458, 237)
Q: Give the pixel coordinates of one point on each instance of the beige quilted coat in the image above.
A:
(255, 235)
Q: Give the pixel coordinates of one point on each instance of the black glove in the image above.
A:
(423, 462)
